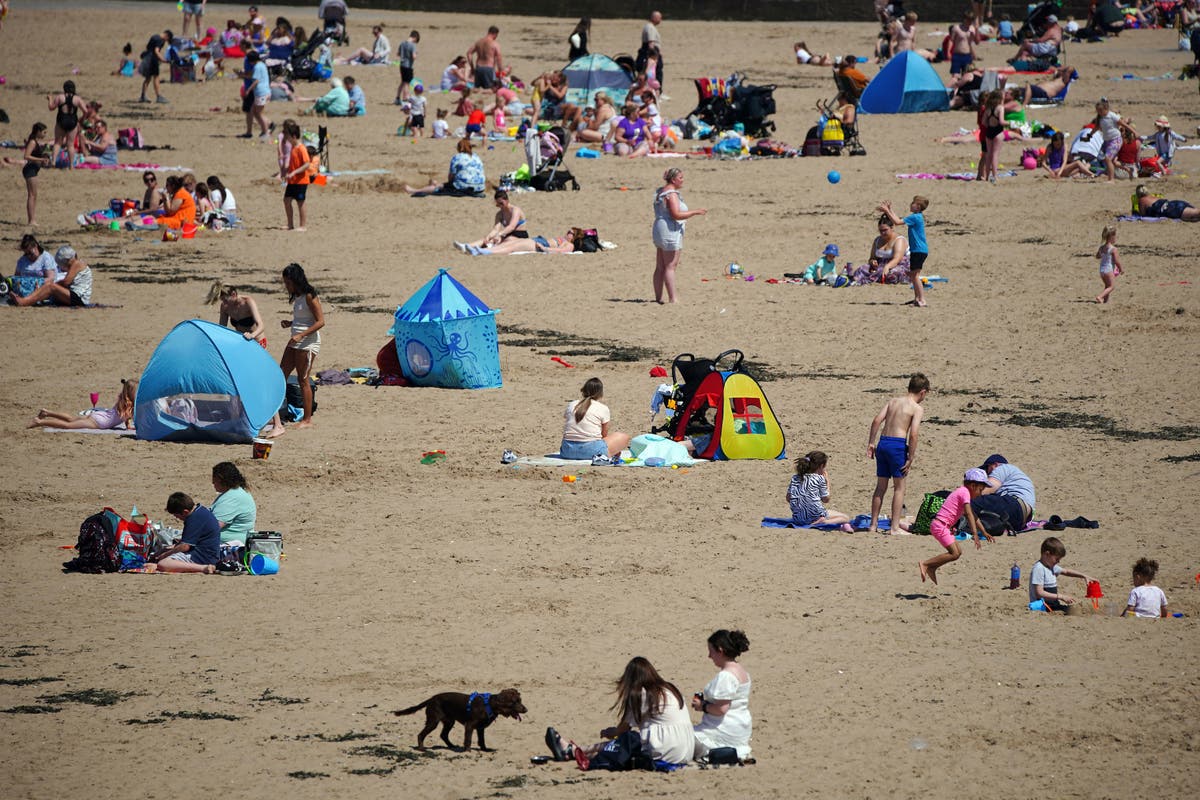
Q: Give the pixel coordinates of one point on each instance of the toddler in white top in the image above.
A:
(1145, 599)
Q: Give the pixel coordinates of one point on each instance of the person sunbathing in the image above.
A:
(537, 244)
(805, 56)
(1048, 89)
(1151, 206)
(99, 419)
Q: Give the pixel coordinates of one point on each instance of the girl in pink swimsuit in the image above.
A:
(942, 526)
(99, 419)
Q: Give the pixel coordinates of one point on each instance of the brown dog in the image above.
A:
(475, 711)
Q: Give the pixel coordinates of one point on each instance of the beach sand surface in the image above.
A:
(402, 580)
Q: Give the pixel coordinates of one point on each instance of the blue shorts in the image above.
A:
(959, 62)
(582, 451)
(890, 455)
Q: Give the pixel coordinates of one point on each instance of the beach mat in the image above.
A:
(93, 431)
(859, 523)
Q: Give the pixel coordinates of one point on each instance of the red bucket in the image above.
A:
(189, 231)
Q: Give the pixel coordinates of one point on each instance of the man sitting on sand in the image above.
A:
(1009, 494)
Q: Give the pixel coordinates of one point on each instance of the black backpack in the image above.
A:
(587, 241)
(97, 545)
(292, 397)
(620, 754)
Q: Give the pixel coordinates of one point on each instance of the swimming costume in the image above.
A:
(68, 115)
(245, 324)
(1038, 93)
(890, 455)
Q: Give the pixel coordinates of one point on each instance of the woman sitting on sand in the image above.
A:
(888, 259)
(380, 52)
(465, 178)
(725, 701)
(1055, 160)
(34, 261)
(1151, 206)
(99, 419)
(599, 120)
(101, 147)
(510, 224)
(585, 432)
(72, 288)
(154, 200)
(181, 208)
(335, 102)
(630, 134)
(234, 506)
(222, 198)
(648, 704)
(456, 77)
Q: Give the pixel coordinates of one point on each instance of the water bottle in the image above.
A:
(1014, 577)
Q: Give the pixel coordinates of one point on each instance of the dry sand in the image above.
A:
(402, 580)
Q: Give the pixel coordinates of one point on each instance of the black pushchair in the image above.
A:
(304, 65)
(1035, 20)
(724, 102)
(544, 155)
(687, 373)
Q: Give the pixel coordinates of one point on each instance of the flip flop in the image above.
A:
(554, 742)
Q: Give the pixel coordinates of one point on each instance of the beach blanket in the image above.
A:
(860, 523)
(1137, 218)
(951, 176)
(554, 460)
(134, 167)
(93, 431)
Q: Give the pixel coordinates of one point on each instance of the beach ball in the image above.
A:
(1029, 162)
(834, 176)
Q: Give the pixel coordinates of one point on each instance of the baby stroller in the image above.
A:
(849, 142)
(544, 155)
(333, 19)
(724, 102)
(1035, 20)
(687, 373)
(308, 63)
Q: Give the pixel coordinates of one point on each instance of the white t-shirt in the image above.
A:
(1147, 601)
(224, 200)
(1043, 576)
(1108, 126)
(441, 129)
(417, 104)
(590, 428)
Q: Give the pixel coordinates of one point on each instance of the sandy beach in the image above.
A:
(402, 579)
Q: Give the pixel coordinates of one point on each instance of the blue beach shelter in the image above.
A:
(906, 85)
(207, 383)
(593, 73)
(446, 336)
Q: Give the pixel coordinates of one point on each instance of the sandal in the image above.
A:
(554, 743)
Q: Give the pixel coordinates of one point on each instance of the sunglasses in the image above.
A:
(149, 180)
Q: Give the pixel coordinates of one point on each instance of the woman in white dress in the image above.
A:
(648, 704)
(725, 701)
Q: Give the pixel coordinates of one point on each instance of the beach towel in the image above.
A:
(1138, 218)
(93, 431)
(951, 176)
(859, 523)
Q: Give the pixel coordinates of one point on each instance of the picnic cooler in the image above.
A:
(265, 543)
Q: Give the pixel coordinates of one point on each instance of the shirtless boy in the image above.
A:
(896, 425)
(485, 60)
(962, 44)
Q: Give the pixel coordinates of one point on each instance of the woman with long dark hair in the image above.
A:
(649, 704)
(301, 352)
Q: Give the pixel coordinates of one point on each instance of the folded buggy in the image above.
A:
(724, 102)
(311, 63)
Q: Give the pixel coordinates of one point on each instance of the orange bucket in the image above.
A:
(189, 231)
(320, 180)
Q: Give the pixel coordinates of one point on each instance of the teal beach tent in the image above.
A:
(906, 85)
(593, 73)
(207, 383)
(446, 336)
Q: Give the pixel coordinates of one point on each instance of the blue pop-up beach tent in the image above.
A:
(446, 336)
(207, 383)
(593, 73)
(906, 85)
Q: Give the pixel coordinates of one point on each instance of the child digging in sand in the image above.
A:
(1043, 578)
(942, 527)
(809, 491)
(896, 449)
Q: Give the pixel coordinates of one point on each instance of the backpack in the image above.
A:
(832, 138)
(620, 754)
(587, 241)
(97, 544)
(130, 139)
(930, 506)
(292, 409)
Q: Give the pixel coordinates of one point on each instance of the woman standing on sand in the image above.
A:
(670, 214)
(301, 352)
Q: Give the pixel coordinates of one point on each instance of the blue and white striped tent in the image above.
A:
(593, 73)
(446, 336)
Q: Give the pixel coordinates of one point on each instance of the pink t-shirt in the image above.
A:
(952, 509)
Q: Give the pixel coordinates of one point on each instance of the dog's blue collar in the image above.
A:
(486, 697)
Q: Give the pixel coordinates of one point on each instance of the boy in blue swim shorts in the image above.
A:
(896, 426)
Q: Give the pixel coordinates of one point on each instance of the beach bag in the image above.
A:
(619, 754)
(130, 139)
(812, 142)
(587, 241)
(135, 539)
(264, 543)
(832, 138)
(97, 544)
(930, 506)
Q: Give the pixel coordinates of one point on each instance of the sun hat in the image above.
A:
(1163, 122)
(994, 458)
(831, 250)
(65, 255)
(975, 475)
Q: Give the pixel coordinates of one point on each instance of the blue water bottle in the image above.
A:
(1014, 577)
